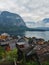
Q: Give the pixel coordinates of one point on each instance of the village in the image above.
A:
(28, 46)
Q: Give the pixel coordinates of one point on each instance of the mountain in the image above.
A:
(11, 22)
(46, 20)
(39, 29)
(42, 25)
(43, 28)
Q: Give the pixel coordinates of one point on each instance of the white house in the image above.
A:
(5, 34)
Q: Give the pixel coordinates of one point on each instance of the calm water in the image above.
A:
(38, 34)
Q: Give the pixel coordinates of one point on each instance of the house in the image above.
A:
(26, 38)
(6, 47)
(34, 40)
(4, 36)
(6, 39)
(22, 43)
(40, 41)
(11, 43)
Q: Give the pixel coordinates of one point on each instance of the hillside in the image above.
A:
(11, 22)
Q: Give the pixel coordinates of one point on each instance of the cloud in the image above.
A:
(28, 9)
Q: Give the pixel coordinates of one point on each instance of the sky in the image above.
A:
(29, 10)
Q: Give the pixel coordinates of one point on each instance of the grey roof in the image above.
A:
(21, 40)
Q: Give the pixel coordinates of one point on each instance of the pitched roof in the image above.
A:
(6, 34)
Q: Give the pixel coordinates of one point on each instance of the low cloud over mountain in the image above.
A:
(42, 23)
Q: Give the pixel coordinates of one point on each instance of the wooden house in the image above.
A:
(22, 43)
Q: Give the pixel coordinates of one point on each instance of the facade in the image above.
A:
(11, 43)
(40, 41)
(4, 36)
(22, 43)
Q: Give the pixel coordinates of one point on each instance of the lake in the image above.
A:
(38, 34)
